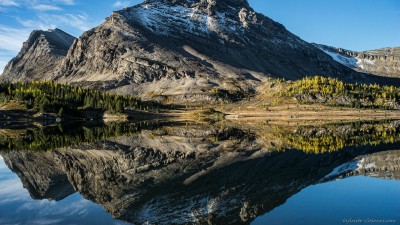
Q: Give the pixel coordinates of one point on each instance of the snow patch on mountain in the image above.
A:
(181, 19)
(362, 62)
(150, 15)
(343, 59)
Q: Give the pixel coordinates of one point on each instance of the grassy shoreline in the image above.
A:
(315, 99)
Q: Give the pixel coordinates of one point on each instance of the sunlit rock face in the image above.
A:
(182, 49)
(187, 174)
(382, 62)
(179, 50)
(39, 57)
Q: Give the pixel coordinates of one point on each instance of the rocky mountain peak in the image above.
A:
(209, 5)
(55, 40)
(230, 20)
(179, 49)
(39, 56)
(213, 6)
(183, 48)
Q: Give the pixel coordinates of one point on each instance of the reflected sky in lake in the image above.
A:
(17, 206)
(339, 201)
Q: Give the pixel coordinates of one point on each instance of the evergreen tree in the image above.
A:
(61, 112)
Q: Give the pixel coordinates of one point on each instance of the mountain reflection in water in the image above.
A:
(190, 172)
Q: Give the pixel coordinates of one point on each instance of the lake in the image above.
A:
(184, 172)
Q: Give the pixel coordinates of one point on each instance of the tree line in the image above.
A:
(63, 136)
(337, 92)
(52, 97)
(332, 139)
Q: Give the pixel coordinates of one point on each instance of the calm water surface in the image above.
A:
(339, 202)
(18, 207)
(186, 173)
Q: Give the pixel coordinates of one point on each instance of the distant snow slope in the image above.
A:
(383, 62)
(343, 59)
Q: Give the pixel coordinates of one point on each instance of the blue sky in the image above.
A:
(351, 24)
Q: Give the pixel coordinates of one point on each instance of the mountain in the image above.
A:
(177, 50)
(182, 49)
(382, 62)
(39, 56)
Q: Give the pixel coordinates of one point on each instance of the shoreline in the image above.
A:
(276, 114)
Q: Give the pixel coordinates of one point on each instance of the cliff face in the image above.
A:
(181, 48)
(382, 62)
(40, 55)
(385, 61)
